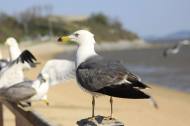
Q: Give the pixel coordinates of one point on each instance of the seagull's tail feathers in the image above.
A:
(154, 103)
(140, 85)
(124, 91)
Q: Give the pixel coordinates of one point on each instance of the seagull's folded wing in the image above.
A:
(18, 92)
(59, 70)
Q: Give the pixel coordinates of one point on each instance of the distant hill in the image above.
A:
(170, 38)
(34, 26)
(179, 35)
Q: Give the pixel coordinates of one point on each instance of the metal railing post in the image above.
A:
(22, 117)
(1, 114)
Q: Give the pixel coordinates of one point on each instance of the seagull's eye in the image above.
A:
(76, 34)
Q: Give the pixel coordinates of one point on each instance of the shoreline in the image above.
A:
(57, 49)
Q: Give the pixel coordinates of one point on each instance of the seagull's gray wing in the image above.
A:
(59, 70)
(98, 73)
(12, 73)
(18, 92)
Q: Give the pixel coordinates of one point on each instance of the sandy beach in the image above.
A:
(68, 103)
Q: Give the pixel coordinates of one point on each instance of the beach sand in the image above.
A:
(68, 103)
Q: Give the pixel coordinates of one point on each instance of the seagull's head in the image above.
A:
(11, 42)
(80, 37)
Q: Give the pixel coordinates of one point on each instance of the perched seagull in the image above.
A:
(26, 92)
(14, 50)
(175, 49)
(12, 72)
(98, 75)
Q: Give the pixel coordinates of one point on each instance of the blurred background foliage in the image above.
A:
(39, 23)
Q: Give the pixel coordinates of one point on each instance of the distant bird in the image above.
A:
(98, 75)
(26, 92)
(12, 72)
(175, 49)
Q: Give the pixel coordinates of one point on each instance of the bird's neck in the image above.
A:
(14, 52)
(84, 52)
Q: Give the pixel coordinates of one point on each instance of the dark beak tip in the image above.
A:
(59, 39)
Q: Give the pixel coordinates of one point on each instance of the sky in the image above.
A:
(144, 17)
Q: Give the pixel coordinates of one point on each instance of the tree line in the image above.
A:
(37, 22)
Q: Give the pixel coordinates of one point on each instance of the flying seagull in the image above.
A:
(176, 48)
(26, 92)
(59, 71)
(12, 72)
(98, 75)
(14, 51)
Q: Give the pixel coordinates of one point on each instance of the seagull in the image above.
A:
(12, 72)
(25, 92)
(14, 51)
(54, 72)
(101, 76)
(175, 49)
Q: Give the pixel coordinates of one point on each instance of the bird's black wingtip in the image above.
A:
(124, 91)
(27, 56)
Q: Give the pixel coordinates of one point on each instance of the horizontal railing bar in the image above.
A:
(31, 117)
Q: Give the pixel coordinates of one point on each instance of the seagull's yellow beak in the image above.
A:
(63, 39)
